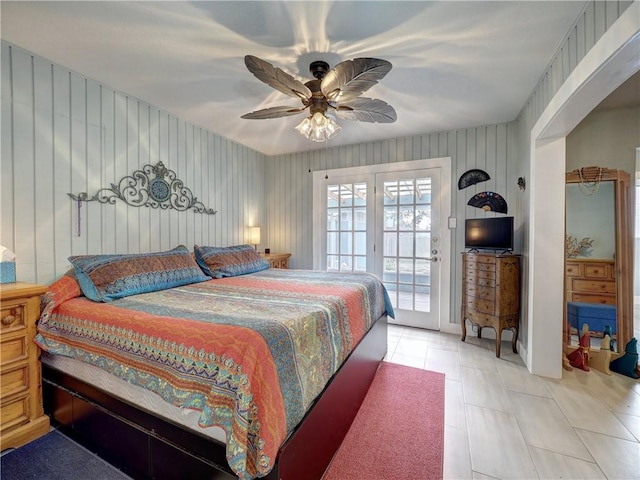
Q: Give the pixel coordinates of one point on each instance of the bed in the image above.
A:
(253, 373)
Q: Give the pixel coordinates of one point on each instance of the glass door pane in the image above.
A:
(407, 213)
(410, 245)
(347, 227)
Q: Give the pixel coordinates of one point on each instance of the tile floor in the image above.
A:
(501, 422)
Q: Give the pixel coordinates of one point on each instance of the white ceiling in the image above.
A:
(455, 64)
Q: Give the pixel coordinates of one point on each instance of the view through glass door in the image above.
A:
(347, 221)
(409, 243)
(387, 224)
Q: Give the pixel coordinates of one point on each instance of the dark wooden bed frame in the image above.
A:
(146, 446)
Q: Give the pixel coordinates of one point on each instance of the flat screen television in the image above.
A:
(495, 233)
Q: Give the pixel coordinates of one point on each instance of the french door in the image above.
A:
(386, 223)
(407, 238)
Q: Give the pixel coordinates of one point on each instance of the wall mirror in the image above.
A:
(598, 256)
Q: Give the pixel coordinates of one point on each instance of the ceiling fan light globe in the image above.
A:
(332, 128)
(318, 135)
(304, 127)
(318, 120)
(318, 127)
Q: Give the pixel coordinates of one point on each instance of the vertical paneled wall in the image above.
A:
(62, 132)
(596, 18)
(289, 184)
(591, 24)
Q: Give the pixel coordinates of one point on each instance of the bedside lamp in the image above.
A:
(254, 236)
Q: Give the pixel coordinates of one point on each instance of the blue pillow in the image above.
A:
(218, 262)
(103, 278)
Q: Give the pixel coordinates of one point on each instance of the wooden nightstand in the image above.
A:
(277, 260)
(21, 413)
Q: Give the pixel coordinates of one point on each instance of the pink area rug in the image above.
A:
(398, 433)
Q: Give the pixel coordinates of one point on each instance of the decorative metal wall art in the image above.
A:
(153, 186)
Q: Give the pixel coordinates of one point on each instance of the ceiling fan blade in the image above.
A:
(367, 110)
(273, 112)
(276, 78)
(351, 78)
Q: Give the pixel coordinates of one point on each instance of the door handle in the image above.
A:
(434, 259)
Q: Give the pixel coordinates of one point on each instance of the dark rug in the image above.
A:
(56, 457)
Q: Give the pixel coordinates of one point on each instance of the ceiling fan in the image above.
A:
(336, 91)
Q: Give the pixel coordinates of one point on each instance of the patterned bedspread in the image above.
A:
(251, 352)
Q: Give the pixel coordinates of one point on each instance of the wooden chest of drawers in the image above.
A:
(590, 281)
(491, 294)
(22, 418)
(277, 260)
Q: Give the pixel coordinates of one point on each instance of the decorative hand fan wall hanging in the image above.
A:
(471, 177)
(488, 201)
(336, 91)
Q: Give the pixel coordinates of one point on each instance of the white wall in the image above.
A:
(62, 132)
(606, 137)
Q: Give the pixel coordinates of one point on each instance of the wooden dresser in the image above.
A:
(277, 260)
(491, 294)
(22, 418)
(590, 281)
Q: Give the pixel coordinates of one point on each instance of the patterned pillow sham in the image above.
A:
(103, 278)
(218, 262)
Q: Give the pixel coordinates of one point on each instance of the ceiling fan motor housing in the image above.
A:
(317, 102)
(319, 69)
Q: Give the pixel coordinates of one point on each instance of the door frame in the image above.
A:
(447, 223)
